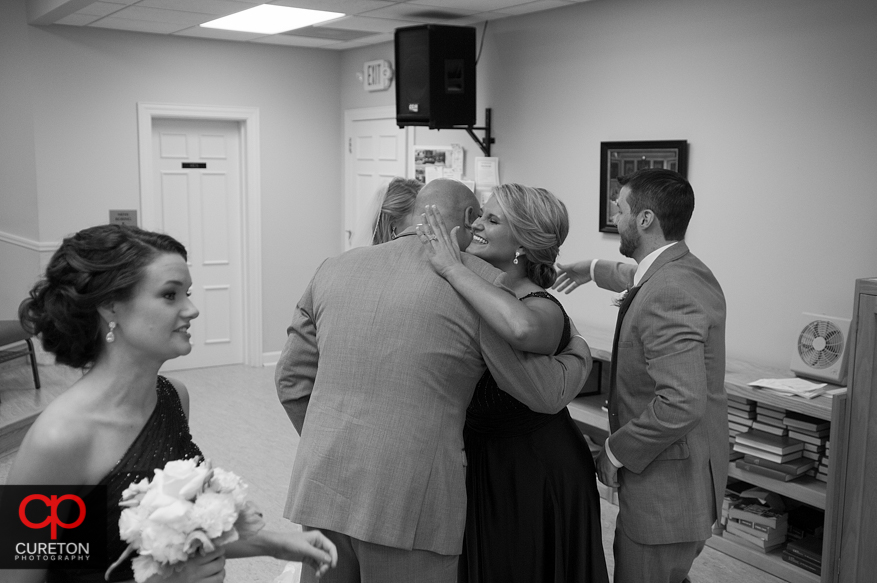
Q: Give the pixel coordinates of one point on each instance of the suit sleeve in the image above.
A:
(674, 331)
(614, 275)
(297, 368)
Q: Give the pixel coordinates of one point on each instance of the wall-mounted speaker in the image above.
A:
(435, 76)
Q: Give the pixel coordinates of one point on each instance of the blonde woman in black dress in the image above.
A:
(533, 509)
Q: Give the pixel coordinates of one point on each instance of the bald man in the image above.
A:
(380, 363)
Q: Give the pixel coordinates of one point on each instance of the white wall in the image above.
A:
(777, 102)
(776, 99)
(19, 224)
(83, 88)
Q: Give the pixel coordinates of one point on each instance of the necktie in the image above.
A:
(622, 310)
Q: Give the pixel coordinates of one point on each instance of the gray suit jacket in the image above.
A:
(378, 369)
(671, 426)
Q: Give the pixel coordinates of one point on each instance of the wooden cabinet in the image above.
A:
(855, 521)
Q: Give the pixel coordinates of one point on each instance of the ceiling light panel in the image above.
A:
(271, 19)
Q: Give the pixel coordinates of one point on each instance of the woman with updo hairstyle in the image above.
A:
(114, 302)
(533, 510)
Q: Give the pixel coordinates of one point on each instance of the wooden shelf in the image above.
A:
(771, 562)
(804, 489)
(738, 375)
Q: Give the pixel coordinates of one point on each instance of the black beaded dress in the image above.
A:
(164, 438)
(533, 510)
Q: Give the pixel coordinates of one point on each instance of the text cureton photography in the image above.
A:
(51, 525)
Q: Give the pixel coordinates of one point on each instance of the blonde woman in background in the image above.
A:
(391, 213)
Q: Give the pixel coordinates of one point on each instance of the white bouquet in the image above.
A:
(188, 507)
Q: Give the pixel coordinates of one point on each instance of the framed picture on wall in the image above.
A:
(619, 159)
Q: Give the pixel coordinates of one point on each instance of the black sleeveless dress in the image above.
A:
(164, 438)
(533, 510)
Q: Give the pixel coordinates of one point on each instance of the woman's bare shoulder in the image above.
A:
(54, 448)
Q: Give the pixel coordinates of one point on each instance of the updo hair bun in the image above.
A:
(539, 223)
(93, 268)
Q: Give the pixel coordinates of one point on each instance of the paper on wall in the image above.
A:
(486, 176)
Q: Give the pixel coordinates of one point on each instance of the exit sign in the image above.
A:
(377, 75)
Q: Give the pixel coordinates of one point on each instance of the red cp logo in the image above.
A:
(52, 519)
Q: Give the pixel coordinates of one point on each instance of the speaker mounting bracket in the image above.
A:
(488, 138)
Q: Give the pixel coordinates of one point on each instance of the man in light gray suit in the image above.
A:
(378, 369)
(668, 448)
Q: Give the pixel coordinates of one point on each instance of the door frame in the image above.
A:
(351, 116)
(247, 119)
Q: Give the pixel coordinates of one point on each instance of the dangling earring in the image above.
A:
(110, 336)
(517, 254)
(393, 231)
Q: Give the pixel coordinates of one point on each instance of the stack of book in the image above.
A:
(770, 419)
(775, 456)
(813, 432)
(741, 415)
(733, 491)
(805, 553)
(756, 526)
(822, 473)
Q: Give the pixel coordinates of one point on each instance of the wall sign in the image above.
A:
(377, 75)
(123, 217)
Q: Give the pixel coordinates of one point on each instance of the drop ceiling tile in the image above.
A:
(335, 34)
(478, 18)
(138, 25)
(420, 13)
(216, 33)
(349, 7)
(478, 5)
(99, 9)
(183, 19)
(363, 42)
(534, 7)
(368, 24)
(212, 7)
(295, 41)
(77, 19)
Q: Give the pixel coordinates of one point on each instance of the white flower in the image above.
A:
(619, 299)
(214, 513)
(144, 568)
(187, 508)
(134, 493)
(182, 478)
(225, 482)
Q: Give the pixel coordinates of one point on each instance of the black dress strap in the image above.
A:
(564, 338)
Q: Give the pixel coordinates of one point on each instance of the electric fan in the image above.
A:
(820, 351)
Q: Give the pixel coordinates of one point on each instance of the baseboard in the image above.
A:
(270, 358)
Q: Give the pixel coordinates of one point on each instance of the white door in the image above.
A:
(197, 184)
(375, 152)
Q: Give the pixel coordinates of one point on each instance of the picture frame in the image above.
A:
(619, 159)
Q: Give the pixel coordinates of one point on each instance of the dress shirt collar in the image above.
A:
(644, 265)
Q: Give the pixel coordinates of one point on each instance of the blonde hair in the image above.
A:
(539, 223)
(397, 204)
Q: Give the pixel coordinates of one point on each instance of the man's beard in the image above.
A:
(630, 239)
